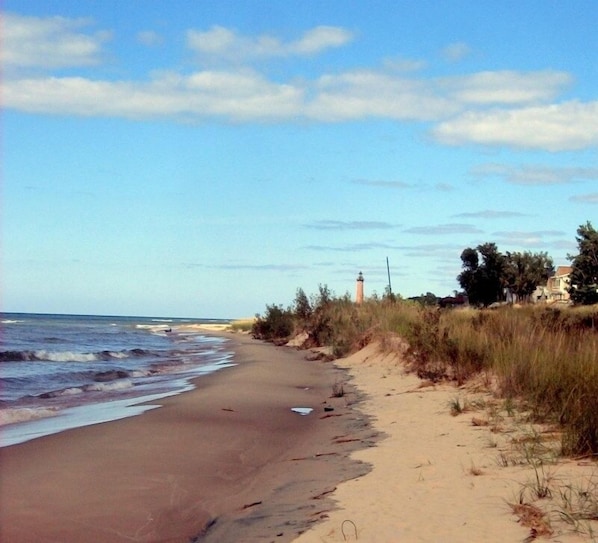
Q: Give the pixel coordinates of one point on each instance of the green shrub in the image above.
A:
(277, 324)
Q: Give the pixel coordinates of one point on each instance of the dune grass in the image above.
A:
(544, 357)
(242, 325)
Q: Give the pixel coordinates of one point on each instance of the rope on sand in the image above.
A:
(343, 528)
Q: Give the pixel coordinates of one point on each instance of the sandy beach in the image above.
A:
(439, 477)
(229, 461)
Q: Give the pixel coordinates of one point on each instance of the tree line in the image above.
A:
(488, 275)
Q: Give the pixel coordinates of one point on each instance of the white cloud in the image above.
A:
(456, 51)
(234, 96)
(535, 174)
(221, 43)
(244, 95)
(555, 127)
(507, 87)
(52, 42)
(368, 93)
(320, 38)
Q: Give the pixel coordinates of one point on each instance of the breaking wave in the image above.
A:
(123, 384)
(68, 356)
(24, 414)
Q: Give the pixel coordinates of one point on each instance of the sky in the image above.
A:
(206, 158)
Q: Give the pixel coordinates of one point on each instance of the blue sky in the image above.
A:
(205, 158)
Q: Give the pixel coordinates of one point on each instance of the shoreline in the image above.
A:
(230, 461)
(227, 458)
(110, 398)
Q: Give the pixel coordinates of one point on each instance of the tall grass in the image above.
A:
(546, 357)
(242, 325)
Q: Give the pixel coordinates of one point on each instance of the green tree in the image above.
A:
(323, 298)
(429, 298)
(584, 274)
(302, 307)
(525, 271)
(483, 272)
(276, 324)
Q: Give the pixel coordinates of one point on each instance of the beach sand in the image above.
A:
(230, 462)
(226, 462)
(442, 478)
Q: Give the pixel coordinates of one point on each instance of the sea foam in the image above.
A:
(65, 356)
(24, 414)
(121, 384)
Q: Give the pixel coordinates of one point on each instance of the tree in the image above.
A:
(584, 274)
(302, 306)
(277, 323)
(323, 298)
(525, 271)
(483, 282)
(429, 298)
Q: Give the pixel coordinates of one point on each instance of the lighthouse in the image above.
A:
(359, 289)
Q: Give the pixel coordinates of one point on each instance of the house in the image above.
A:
(556, 288)
(558, 284)
(458, 300)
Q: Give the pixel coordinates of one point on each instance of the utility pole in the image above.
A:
(389, 285)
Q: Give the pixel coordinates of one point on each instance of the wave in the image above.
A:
(95, 387)
(24, 414)
(107, 387)
(68, 356)
(157, 329)
(110, 375)
(11, 321)
(64, 356)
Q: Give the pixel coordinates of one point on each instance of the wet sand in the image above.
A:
(226, 462)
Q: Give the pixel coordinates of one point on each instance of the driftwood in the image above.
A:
(248, 505)
(322, 494)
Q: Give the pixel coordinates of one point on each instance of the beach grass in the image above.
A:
(242, 325)
(544, 357)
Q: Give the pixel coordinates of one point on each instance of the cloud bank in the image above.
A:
(491, 108)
